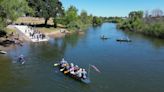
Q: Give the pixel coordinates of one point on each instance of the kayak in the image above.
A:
(86, 80)
(124, 40)
(2, 52)
(104, 38)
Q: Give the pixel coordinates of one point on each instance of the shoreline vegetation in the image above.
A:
(151, 24)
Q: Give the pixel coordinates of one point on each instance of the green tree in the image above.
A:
(96, 20)
(71, 14)
(14, 8)
(136, 14)
(10, 10)
(46, 8)
(84, 17)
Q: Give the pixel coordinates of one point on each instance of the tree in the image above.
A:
(71, 14)
(136, 14)
(11, 10)
(46, 8)
(59, 12)
(3, 17)
(157, 13)
(84, 16)
(96, 20)
(14, 8)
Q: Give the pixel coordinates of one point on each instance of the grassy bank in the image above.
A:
(33, 20)
(151, 26)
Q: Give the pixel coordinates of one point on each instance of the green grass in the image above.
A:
(9, 31)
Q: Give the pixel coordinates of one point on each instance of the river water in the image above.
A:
(125, 67)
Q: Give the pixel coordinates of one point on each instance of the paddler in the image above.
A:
(79, 72)
(63, 63)
(84, 74)
(21, 58)
(72, 69)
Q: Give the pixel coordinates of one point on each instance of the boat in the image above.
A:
(86, 80)
(104, 37)
(2, 52)
(21, 59)
(124, 40)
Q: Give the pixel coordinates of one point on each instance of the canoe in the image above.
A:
(86, 80)
(2, 52)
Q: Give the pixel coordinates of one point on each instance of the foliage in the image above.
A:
(71, 14)
(12, 9)
(46, 8)
(73, 21)
(96, 20)
(2, 33)
(84, 17)
(137, 23)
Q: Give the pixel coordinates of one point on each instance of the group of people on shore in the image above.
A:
(35, 34)
(73, 69)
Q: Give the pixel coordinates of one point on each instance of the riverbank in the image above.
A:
(38, 24)
(151, 26)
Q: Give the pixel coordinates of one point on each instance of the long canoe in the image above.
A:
(86, 80)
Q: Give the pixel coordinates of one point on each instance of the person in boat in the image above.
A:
(21, 58)
(67, 66)
(76, 68)
(72, 69)
(84, 74)
(103, 36)
(63, 63)
(79, 73)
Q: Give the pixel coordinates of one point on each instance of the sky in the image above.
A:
(113, 7)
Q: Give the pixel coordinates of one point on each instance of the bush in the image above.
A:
(2, 33)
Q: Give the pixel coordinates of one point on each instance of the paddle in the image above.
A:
(62, 69)
(56, 64)
(23, 62)
(65, 72)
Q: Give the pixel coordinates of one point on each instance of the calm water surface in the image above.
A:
(125, 67)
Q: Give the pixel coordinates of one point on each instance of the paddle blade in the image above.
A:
(56, 64)
(65, 72)
(23, 62)
(61, 69)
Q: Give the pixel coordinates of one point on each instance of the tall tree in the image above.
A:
(71, 14)
(11, 10)
(46, 8)
(84, 16)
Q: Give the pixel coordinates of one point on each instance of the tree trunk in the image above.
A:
(46, 20)
(55, 24)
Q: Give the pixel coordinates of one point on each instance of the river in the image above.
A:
(125, 67)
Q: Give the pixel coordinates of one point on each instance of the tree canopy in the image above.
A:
(11, 10)
(46, 8)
